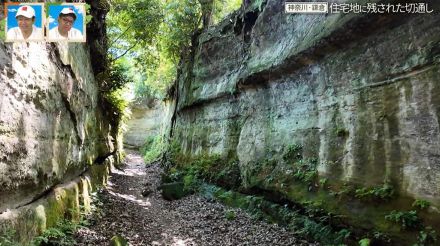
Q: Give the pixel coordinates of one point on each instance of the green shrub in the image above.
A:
(7, 237)
(61, 235)
(364, 242)
(407, 219)
(191, 182)
(153, 148)
(428, 236)
(421, 204)
(293, 153)
(230, 215)
(305, 171)
(384, 192)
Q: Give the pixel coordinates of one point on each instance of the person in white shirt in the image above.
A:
(26, 29)
(64, 30)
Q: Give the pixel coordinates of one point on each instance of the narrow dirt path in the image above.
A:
(152, 220)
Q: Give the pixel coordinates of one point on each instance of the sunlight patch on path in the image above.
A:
(130, 172)
(176, 241)
(131, 198)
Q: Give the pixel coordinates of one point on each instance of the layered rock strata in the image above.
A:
(359, 94)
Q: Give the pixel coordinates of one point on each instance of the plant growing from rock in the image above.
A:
(380, 193)
(421, 204)
(153, 148)
(230, 215)
(407, 219)
(7, 237)
(61, 234)
(306, 171)
(428, 236)
(293, 153)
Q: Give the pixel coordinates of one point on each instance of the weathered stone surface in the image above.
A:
(147, 120)
(359, 92)
(57, 142)
(51, 126)
(69, 199)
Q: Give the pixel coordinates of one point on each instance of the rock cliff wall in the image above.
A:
(354, 95)
(56, 141)
(146, 121)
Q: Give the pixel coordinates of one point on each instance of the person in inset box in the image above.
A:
(26, 29)
(64, 30)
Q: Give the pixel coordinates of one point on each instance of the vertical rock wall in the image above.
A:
(56, 141)
(51, 126)
(147, 120)
(358, 92)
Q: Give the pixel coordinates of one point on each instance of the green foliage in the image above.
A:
(132, 28)
(311, 225)
(381, 237)
(89, 16)
(7, 237)
(407, 219)
(117, 104)
(61, 235)
(153, 148)
(323, 182)
(175, 154)
(230, 215)
(222, 8)
(384, 192)
(152, 35)
(191, 181)
(206, 168)
(305, 171)
(293, 153)
(428, 236)
(114, 78)
(113, 93)
(180, 22)
(118, 241)
(158, 80)
(421, 204)
(227, 174)
(2, 29)
(364, 242)
(193, 171)
(132, 32)
(345, 190)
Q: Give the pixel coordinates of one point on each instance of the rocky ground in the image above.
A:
(133, 208)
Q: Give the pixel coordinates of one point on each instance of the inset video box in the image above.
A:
(47, 22)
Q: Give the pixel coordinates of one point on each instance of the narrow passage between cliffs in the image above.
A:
(132, 208)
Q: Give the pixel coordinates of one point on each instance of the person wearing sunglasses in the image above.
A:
(65, 29)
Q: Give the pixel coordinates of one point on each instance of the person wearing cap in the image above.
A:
(26, 29)
(65, 30)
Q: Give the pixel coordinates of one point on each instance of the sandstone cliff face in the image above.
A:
(361, 93)
(53, 130)
(147, 120)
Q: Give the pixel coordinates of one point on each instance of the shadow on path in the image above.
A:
(151, 220)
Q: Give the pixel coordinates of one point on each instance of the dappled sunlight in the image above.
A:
(130, 198)
(130, 172)
(181, 242)
(174, 240)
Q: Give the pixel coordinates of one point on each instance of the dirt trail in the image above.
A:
(152, 220)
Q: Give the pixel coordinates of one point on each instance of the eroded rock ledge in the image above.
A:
(358, 94)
